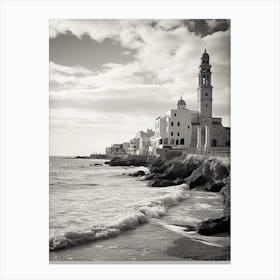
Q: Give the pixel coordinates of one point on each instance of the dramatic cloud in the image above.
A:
(126, 97)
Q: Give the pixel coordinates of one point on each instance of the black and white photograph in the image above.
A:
(139, 166)
(139, 140)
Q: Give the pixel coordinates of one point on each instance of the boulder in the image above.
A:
(138, 173)
(221, 171)
(215, 186)
(176, 170)
(129, 161)
(179, 181)
(213, 226)
(197, 179)
(158, 162)
(160, 183)
(225, 192)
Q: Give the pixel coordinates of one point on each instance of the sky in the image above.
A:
(112, 78)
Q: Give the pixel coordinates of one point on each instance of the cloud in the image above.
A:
(166, 59)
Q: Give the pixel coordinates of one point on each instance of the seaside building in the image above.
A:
(108, 151)
(174, 129)
(207, 130)
(145, 141)
(183, 129)
(140, 144)
(133, 148)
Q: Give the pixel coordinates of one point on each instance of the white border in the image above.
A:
(255, 138)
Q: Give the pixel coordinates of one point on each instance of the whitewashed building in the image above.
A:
(182, 128)
(174, 129)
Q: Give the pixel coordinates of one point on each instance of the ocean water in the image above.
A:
(90, 201)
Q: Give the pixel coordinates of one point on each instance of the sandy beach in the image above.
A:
(149, 242)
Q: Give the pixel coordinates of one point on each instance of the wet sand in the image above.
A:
(149, 242)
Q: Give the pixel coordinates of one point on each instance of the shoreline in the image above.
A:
(165, 244)
(147, 243)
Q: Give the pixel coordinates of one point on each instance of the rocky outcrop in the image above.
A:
(131, 160)
(160, 183)
(199, 173)
(213, 226)
(137, 173)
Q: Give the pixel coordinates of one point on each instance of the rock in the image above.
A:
(213, 226)
(198, 178)
(179, 181)
(221, 171)
(158, 162)
(225, 192)
(215, 186)
(154, 176)
(137, 173)
(129, 161)
(160, 183)
(176, 170)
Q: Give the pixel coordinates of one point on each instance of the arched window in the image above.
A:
(172, 141)
(203, 80)
(182, 141)
(160, 141)
(177, 142)
(166, 141)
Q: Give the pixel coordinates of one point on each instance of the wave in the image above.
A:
(155, 208)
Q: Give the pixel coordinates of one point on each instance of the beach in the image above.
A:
(128, 220)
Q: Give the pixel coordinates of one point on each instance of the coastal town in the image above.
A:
(182, 129)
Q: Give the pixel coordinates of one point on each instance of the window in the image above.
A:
(171, 123)
(177, 142)
(160, 141)
(188, 127)
(178, 134)
(166, 141)
(171, 133)
(178, 123)
(206, 105)
(182, 142)
(203, 62)
(172, 141)
(175, 115)
(203, 80)
(206, 94)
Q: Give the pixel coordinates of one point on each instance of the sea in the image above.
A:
(91, 201)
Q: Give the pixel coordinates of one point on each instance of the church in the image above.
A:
(183, 129)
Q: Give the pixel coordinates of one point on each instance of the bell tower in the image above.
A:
(204, 98)
(204, 87)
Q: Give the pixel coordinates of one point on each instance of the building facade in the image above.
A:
(174, 129)
(182, 128)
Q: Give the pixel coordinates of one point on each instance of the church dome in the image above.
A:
(181, 102)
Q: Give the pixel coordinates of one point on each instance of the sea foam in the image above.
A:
(154, 208)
